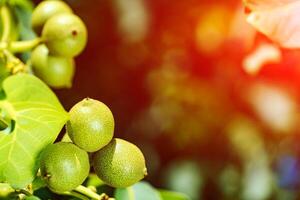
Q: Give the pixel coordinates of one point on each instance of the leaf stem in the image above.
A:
(22, 46)
(16, 46)
(6, 20)
(89, 193)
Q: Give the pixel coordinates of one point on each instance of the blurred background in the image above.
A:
(213, 104)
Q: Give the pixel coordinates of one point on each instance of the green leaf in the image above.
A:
(23, 14)
(23, 10)
(25, 4)
(32, 198)
(140, 190)
(169, 195)
(38, 183)
(38, 117)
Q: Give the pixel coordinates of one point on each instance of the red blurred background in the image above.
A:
(172, 73)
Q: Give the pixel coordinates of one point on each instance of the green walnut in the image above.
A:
(65, 35)
(44, 11)
(64, 166)
(91, 124)
(55, 71)
(39, 56)
(120, 164)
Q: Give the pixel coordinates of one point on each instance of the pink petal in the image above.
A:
(281, 24)
(265, 4)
